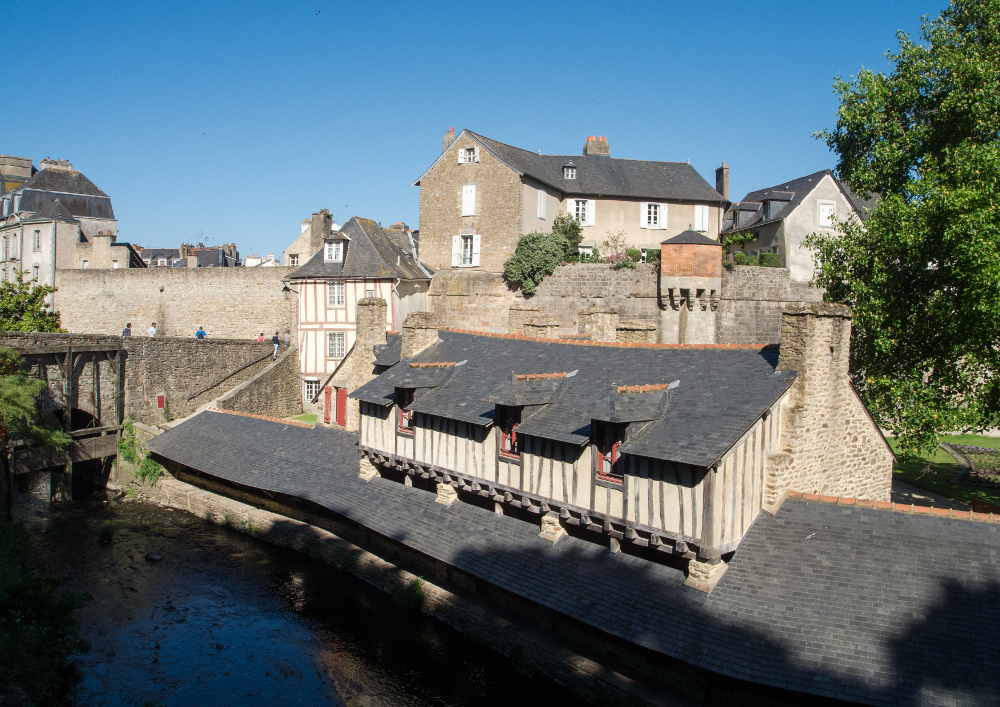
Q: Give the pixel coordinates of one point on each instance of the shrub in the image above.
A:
(635, 254)
(741, 258)
(770, 260)
(536, 255)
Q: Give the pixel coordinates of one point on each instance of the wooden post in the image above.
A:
(61, 486)
(708, 513)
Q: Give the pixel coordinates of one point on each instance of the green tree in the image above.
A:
(923, 272)
(570, 229)
(23, 306)
(536, 255)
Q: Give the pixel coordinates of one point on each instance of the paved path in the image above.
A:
(905, 493)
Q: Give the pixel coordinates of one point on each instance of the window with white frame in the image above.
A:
(6, 205)
(312, 389)
(569, 172)
(580, 210)
(162, 262)
(17, 203)
(585, 251)
(114, 264)
(335, 294)
(35, 273)
(369, 294)
(465, 251)
(38, 240)
(701, 218)
(652, 215)
(827, 214)
(469, 200)
(542, 203)
(472, 154)
(334, 252)
(335, 344)
(85, 264)
(293, 260)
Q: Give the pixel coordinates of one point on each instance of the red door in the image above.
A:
(326, 405)
(342, 407)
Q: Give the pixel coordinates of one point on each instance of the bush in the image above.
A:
(741, 258)
(770, 260)
(536, 255)
(635, 254)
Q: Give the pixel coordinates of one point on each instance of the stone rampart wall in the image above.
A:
(237, 303)
(187, 372)
(752, 302)
(275, 391)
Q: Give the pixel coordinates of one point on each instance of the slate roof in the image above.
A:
(599, 175)
(720, 395)
(388, 355)
(63, 180)
(793, 193)
(692, 237)
(856, 604)
(52, 211)
(76, 193)
(372, 252)
(152, 254)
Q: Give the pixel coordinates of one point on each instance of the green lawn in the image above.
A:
(933, 472)
(311, 419)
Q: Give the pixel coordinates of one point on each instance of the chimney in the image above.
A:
(597, 146)
(420, 330)
(722, 181)
(55, 164)
(321, 227)
(449, 137)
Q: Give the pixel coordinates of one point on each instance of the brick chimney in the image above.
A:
(597, 146)
(48, 163)
(449, 137)
(722, 181)
(829, 443)
(321, 227)
(420, 330)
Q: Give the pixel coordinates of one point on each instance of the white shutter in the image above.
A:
(541, 203)
(476, 156)
(591, 212)
(644, 215)
(475, 250)
(461, 155)
(469, 200)
(663, 216)
(456, 251)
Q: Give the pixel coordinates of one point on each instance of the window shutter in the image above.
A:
(476, 156)
(461, 155)
(456, 251)
(475, 250)
(541, 204)
(591, 212)
(644, 215)
(469, 200)
(663, 216)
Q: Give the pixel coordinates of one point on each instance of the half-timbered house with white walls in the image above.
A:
(361, 260)
(671, 451)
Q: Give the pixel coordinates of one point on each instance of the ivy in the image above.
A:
(131, 450)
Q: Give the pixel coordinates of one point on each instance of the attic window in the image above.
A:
(607, 462)
(508, 418)
(569, 172)
(334, 252)
(404, 397)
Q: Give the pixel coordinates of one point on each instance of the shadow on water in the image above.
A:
(224, 619)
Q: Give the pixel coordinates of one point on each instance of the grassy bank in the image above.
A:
(38, 634)
(934, 471)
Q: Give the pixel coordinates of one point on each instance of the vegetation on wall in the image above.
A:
(23, 306)
(539, 254)
(617, 251)
(131, 450)
(921, 273)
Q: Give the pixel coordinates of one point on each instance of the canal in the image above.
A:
(189, 613)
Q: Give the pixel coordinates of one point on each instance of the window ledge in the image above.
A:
(614, 482)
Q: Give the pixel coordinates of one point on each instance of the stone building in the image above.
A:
(193, 256)
(670, 448)
(57, 218)
(783, 216)
(481, 195)
(310, 240)
(360, 262)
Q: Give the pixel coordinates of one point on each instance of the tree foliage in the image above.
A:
(923, 272)
(23, 306)
(19, 396)
(539, 254)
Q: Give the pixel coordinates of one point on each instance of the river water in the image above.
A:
(225, 619)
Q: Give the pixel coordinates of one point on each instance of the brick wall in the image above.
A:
(752, 301)
(498, 209)
(173, 367)
(690, 260)
(237, 303)
(274, 392)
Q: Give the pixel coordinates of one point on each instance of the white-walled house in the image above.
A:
(360, 260)
(784, 216)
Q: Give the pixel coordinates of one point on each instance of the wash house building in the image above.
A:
(674, 451)
(361, 260)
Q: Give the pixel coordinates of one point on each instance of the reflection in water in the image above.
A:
(223, 619)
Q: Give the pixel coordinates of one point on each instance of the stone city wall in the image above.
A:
(274, 392)
(752, 302)
(187, 372)
(234, 303)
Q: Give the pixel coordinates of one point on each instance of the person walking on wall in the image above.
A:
(151, 332)
(127, 331)
(260, 339)
(200, 334)
(277, 342)
(288, 339)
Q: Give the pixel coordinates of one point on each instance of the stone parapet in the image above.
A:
(636, 332)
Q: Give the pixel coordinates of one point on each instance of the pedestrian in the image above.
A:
(260, 339)
(277, 342)
(288, 339)
(151, 332)
(127, 331)
(200, 334)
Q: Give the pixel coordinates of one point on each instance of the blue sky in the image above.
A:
(231, 122)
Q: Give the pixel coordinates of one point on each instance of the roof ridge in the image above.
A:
(617, 344)
(295, 423)
(910, 508)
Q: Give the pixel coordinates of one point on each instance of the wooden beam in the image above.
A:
(80, 348)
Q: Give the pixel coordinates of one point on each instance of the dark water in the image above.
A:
(224, 619)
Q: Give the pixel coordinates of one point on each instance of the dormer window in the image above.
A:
(404, 397)
(607, 439)
(508, 418)
(334, 252)
(569, 172)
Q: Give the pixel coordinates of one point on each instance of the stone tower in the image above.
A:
(690, 285)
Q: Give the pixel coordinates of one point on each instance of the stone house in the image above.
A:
(359, 262)
(58, 219)
(481, 195)
(672, 449)
(784, 216)
(310, 239)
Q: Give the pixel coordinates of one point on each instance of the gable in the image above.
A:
(465, 139)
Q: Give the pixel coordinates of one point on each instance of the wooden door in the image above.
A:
(326, 405)
(342, 407)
